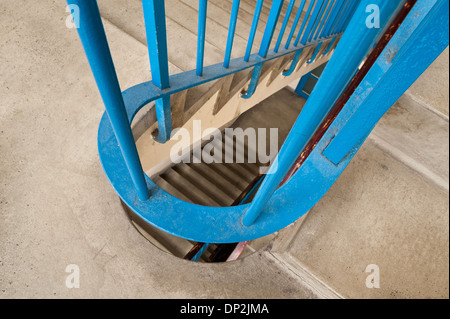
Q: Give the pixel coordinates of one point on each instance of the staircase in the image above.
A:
(389, 208)
(222, 184)
(334, 110)
(220, 103)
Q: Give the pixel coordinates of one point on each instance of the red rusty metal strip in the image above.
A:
(237, 252)
(337, 108)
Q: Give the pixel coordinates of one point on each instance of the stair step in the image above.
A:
(207, 186)
(222, 17)
(244, 170)
(170, 189)
(243, 16)
(216, 34)
(164, 241)
(231, 175)
(208, 171)
(251, 167)
(191, 191)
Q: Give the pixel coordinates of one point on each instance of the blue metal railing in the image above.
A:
(163, 85)
(323, 22)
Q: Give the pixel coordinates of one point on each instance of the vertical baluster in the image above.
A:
(202, 15)
(345, 16)
(294, 26)
(93, 37)
(312, 21)
(272, 21)
(338, 17)
(352, 49)
(155, 25)
(231, 32)
(253, 30)
(341, 18)
(325, 19)
(305, 20)
(333, 16)
(347, 21)
(285, 23)
(318, 20)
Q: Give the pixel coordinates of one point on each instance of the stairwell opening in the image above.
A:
(217, 184)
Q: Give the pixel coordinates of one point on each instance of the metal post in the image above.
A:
(231, 32)
(95, 44)
(253, 30)
(202, 15)
(155, 25)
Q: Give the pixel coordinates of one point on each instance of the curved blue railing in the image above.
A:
(272, 208)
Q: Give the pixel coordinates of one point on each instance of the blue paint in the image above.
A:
(315, 53)
(272, 21)
(284, 25)
(312, 21)
(294, 63)
(301, 85)
(305, 20)
(202, 15)
(330, 45)
(340, 16)
(253, 30)
(155, 22)
(419, 40)
(317, 20)
(325, 18)
(231, 32)
(97, 51)
(212, 224)
(388, 80)
(333, 17)
(352, 12)
(294, 26)
(186, 80)
(200, 252)
(253, 82)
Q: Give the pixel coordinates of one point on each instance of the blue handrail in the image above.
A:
(155, 20)
(163, 85)
(97, 50)
(341, 67)
(322, 24)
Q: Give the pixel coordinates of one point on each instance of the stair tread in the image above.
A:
(216, 34)
(170, 189)
(206, 186)
(188, 189)
(242, 169)
(220, 15)
(227, 172)
(209, 172)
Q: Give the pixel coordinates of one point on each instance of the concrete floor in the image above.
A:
(57, 208)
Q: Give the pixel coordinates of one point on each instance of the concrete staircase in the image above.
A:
(389, 208)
